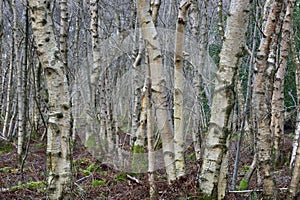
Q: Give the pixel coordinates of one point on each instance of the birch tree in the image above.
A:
(158, 85)
(223, 101)
(20, 88)
(58, 136)
(9, 94)
(278, 91)
(262, 99)
(294, 187)
(297, 129)
(178, 89)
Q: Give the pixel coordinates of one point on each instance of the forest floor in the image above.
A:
(93, 180)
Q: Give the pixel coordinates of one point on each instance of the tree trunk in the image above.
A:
(294, 188)
(223, 100)
(20, 90)
(278, 110)
(245, 106)
(9, 96)
(178, 90)
(158, 86)
(58, 136)
(3, 71)
(150, 135)
(297, 130)
(262, 101)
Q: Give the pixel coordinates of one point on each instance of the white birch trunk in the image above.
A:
(278, 109)
(178, 90)
(297, 130)
(223, 100)
(20, 90)
(158, 85)
(58, 136)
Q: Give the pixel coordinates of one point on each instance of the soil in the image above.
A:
(93, 180)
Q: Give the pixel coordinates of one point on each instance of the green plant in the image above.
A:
(35, 185)
(91, 168)
(98, 183)
(39, 185)
(246, 168)
(6, 148)
(243, 185)
(191, 156)
(139, 161)
(120, 177)
(5, 169)
(39, 145)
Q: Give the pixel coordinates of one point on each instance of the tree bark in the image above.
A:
(58, 136)
(20, 89)
(278, 110)
(294, 187)
(223, 100)
(158, 86)
(297, 130)
(178, 90)
(262, 101)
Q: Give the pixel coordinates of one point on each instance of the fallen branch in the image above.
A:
(248, 191)
(83, 178)
(133, 179)
(4, 189)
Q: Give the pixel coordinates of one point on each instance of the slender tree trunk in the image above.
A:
(178, 90)
(20, 89)
(150, 135)
(75, 98)
(220, 18)
(278, 110)
(297, 130)
(3, 71)
(246, 105)
(262, 101)
(58, 136)
(158, 86)
(294, 187)
(9, 95)
(223, 100)
(194, 14)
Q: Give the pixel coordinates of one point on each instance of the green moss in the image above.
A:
(5, 169)
(120, 177)
(138, 149)
(35, 185)
(246, 168)
(6, 148)
(139, 161)
(30, 185)
(98, 183)
(191, 156)
(17, 187)
(39, 145)
(91, 142)
(91, 168)
(243, 185)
